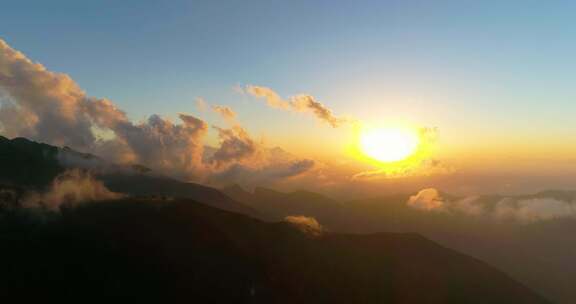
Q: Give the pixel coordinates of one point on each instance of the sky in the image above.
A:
(494, 77)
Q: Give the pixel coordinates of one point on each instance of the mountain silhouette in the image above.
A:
(35, 165)
(538, 254)
(174, 241)
(183, 251)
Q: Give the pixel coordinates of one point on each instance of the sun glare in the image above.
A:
(389, 144)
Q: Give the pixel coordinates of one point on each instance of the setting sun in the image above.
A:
(388, 144)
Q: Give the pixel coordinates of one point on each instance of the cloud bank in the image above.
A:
(50, 107)
(518, 209)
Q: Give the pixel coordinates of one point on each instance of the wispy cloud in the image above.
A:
(226, 112)
(297, 103)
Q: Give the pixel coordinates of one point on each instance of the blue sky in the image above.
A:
(467, 67)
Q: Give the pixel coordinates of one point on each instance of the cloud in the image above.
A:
(157, 142)
(532, 210)
(294, 168)
(430, 199)
(298, 103)
(272, 99)
(242, 160)
(235, 145)
(201, 104)
(50, 107)
(307, 225)
(307, 103)
(174, 148)
(249, 175)
(40, 104)
(69, 189)
(226, 112)
(423, 167)
(426, 199)
(169, 147)
(518, 209)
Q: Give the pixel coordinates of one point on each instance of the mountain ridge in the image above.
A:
(163, 215)
(181, 250)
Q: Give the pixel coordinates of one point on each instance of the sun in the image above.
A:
(389, 144)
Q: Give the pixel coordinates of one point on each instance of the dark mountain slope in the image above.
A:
(275, 205)
(539, 254)
(146, 185)
(29, 164)
(182, 251)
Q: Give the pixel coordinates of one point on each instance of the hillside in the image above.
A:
(33, 165)
(174, 239)
(539, 254)
(180, 250)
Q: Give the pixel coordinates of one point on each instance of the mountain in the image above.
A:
(147, 185)
(275, 205)
(183, 251)
(539, 254)
(166, 241)
(26, 163)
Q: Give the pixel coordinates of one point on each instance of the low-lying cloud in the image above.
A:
(70, 189)
(534, 209)
(518, 209)
(306, 224)
(427, 199)
(423, 167)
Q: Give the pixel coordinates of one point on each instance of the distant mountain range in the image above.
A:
(540, 254)
(173, 241)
